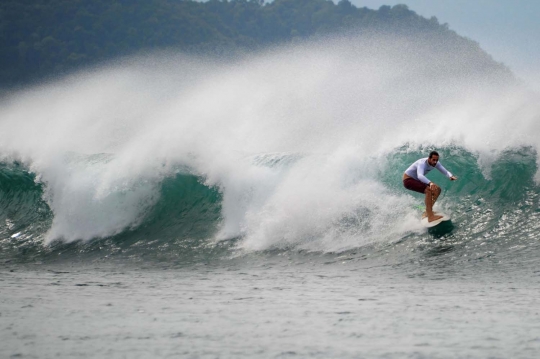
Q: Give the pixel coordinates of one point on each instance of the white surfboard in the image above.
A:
(427, 224)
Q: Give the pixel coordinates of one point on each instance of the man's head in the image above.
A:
(433, 158)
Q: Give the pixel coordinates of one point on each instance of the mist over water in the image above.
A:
(300, 142)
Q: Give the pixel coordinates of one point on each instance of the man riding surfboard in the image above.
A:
(414, 179)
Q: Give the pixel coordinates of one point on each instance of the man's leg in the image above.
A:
(431, 197)
(436, 193)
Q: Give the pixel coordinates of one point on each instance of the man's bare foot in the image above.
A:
(434, 218)
(424, 215)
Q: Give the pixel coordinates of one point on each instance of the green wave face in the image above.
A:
(495, 213)
(24, 215)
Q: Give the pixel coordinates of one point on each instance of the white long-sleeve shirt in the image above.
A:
(419, 169)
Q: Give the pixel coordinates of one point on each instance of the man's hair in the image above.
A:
(433, 153)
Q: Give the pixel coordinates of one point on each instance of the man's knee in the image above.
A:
(436, 190)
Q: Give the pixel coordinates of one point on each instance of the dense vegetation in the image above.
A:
(41, 38)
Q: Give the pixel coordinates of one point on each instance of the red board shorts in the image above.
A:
(415, 185)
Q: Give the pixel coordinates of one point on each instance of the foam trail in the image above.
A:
(103, 141)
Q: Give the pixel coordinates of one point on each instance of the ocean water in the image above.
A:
(172, 206)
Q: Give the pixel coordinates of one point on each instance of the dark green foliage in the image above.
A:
(48, 37)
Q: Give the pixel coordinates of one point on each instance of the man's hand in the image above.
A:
(453, 178)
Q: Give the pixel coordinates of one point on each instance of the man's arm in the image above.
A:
(445, 172)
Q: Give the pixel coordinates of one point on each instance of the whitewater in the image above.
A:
(252, 206)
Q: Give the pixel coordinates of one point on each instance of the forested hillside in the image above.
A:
(49, 37)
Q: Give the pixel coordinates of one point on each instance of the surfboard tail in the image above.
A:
(428, 224)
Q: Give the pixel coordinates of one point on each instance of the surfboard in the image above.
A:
(427, 224)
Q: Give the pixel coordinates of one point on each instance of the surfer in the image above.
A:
(414, 179)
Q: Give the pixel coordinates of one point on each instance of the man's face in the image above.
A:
(433, 160)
